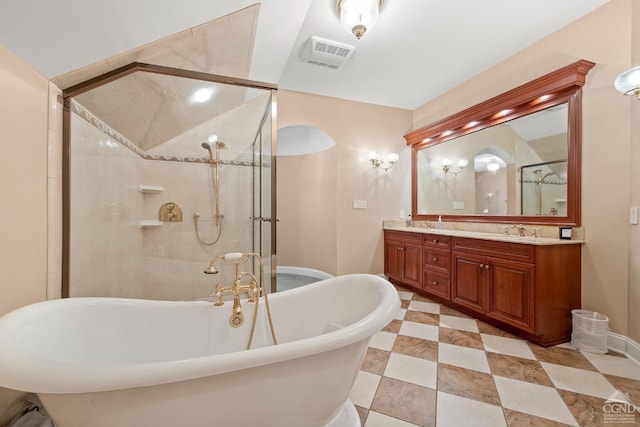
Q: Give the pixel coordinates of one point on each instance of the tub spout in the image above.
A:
(237, 318)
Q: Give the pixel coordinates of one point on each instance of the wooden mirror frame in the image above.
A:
(557, 87)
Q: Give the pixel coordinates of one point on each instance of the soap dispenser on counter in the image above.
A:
(409, 221)
(439, 222)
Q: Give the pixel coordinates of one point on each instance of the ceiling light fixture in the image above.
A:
(493, 165)
(629, 82)
(358, 16)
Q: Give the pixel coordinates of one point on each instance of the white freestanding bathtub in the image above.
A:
(112, 362)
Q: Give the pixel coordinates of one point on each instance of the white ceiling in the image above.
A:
(418, 50)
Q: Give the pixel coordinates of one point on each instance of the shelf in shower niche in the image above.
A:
(561, 200)
(148, 189)
(150, 223)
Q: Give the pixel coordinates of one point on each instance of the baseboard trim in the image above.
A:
(625, 345)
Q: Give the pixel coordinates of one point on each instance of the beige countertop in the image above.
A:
(487, 236)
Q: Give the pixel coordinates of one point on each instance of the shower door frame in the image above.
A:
(80, 88)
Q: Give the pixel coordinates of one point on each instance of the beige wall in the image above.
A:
(607, 145)
(357, 129)
(23, 174)
(307, 188)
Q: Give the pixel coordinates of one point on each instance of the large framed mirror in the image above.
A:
(514, 158)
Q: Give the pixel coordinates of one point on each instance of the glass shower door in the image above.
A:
(264, 217)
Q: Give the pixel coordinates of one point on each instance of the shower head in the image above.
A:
(207, 147)
(211, 269)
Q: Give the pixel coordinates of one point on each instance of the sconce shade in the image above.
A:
(629, 82)
(447, 165)
(358, 16)
(393, 157)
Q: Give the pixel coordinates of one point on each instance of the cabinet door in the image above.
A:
(393, 260)
(510, 290)
(412, 264)
(468, 280)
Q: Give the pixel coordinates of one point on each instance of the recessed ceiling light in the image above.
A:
(202, 95)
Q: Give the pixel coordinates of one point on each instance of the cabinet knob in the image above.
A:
(435, 283)
(486, 266)
(435, 240)
(481, 265)
(435, 258)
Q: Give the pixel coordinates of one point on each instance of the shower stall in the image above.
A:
(165, 169)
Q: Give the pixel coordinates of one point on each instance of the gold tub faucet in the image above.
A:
(243, 282)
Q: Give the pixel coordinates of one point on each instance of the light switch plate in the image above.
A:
(359, 204)
(633, 215)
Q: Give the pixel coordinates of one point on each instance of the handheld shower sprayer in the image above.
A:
(213, 163)
(207, 147)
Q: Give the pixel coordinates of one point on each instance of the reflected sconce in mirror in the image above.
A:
(629, 82)
(447, 166)
(384, 163)
(358, 16)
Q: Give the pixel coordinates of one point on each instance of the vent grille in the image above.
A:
(326, 53)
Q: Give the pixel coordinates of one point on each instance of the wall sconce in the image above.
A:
(383, 163)
(358, 16)
(629, 82)
(447, 165)
(493, 165)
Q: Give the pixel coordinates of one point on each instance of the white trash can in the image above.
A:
(589, 331)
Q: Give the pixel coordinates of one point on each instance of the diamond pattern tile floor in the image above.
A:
(433, 366)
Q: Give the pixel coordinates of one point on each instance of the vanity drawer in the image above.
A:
(402, 236)
(513, 251)
(438, 259)
(436, 283)
(437, 241)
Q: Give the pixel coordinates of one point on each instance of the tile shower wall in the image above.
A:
(105, 239)
(111, 255)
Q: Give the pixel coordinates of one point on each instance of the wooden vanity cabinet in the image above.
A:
(403, 258)
(501, 288)
(527, 289)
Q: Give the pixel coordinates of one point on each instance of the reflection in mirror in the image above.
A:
(517, 168)
(512, 158)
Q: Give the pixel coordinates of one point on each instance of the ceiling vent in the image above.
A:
(326, 53)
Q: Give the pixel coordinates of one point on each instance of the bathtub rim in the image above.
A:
(27, 372)
(303, 271)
